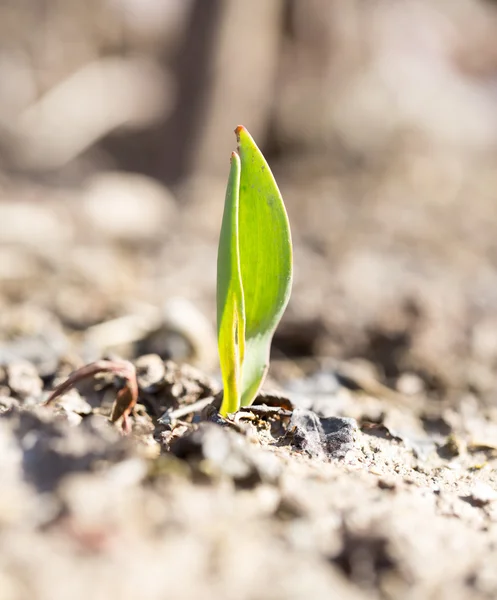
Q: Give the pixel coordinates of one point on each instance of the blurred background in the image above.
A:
(378, 118)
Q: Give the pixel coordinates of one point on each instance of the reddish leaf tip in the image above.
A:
(239, 130)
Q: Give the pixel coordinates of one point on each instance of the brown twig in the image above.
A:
(126, 397)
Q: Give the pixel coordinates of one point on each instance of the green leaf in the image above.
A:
(254, 273)
(230, 308)
(265, 261)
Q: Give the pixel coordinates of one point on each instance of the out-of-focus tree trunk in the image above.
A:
(241, 82)
(226, 71)
(192, 71)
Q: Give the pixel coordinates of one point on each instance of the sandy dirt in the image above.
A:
(375, 478)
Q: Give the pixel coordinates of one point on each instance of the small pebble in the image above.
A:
(482, 494)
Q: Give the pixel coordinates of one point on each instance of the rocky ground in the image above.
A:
(366, 471)
(368, 468)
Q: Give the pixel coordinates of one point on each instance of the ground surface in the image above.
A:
(391, 325)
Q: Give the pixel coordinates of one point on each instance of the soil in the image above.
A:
(367, 470)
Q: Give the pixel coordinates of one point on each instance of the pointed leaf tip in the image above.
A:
(238, 131)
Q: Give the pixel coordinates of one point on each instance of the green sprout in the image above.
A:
(254, 273)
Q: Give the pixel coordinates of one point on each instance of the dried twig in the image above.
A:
(126, 397)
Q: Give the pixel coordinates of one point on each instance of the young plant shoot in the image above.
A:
(254, 273)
